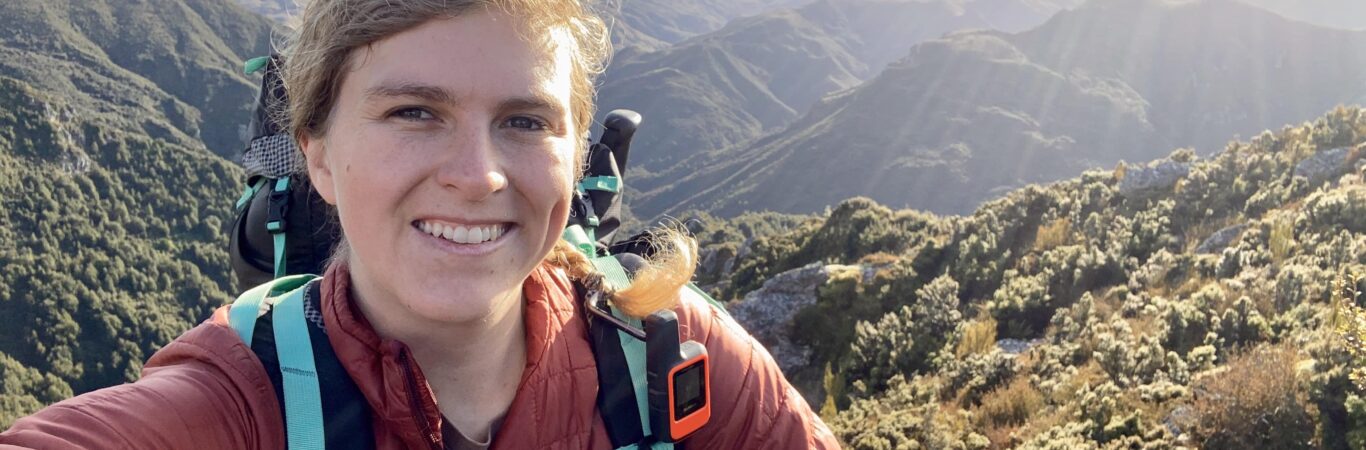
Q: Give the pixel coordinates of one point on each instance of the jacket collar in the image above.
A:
(397, 391)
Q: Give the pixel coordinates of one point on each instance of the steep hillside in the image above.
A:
(165, 68)
(1193, 312)
(1218, 67)
(962, 119)
(279, 11)
(1345, 14)
(646, 24)
(655, 24)
(111, 245)
(760, 73)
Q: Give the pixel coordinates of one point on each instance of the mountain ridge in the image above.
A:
(971, 115)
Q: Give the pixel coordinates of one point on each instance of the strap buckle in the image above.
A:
(279, 207)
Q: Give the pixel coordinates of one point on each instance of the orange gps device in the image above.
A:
(678, 374)
(679, 379)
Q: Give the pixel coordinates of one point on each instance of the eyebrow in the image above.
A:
(409, 89)
(535, 100)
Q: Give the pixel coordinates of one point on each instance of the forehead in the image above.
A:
(477, 56)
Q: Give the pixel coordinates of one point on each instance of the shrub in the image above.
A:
(1011, 405)
(1053, 234)
(1243, 325)
(883, 350)
(1255, 402)
(907, 417)
(1023, 305)
(979, 337)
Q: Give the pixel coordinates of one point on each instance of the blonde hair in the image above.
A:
(653, 287)
(318, 56)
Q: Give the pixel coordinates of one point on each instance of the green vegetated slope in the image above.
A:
(170, 69)
(111, 245)
(1181, 302)
(760, 73)
(964, 119)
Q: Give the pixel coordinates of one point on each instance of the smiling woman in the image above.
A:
(449, 136)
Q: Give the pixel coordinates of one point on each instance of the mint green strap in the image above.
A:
(303, 398)
(279, 255)
(242, 316)
(254, 64)
(250, 191)
(277, 231)
(612, 272)
(608, 184)
(581, 238)
(633, 349)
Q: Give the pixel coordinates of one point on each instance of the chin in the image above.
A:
(463, 305)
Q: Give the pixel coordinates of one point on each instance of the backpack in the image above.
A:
(283, 232)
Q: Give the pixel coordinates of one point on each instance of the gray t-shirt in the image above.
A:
(456, 441)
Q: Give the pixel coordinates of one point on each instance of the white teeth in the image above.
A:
(462, 234)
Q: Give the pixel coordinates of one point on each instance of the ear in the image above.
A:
(319, 169)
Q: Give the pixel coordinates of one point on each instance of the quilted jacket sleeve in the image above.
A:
(753, 406)
(204, 391)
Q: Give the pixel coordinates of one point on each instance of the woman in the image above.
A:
(448, 134)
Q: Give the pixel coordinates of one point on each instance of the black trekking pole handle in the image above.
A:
(619, 126)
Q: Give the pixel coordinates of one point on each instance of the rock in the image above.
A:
(1216, 242)
(1322, 164)
(1160, 175)
(716, 261)
(1012, 347)
(1179, 417)
(767, 312)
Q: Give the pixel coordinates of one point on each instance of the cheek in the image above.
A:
(549, 182)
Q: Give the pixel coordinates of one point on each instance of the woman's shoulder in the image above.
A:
(203, 390)
(752, 402)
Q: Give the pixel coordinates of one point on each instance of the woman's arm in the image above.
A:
(204, 391)
(753, 406)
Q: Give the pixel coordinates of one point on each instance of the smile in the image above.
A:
(462, 234)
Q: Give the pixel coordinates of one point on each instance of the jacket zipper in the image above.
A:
(415, 398)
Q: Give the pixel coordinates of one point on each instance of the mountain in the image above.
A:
(279, 11)
(170, 69)
(111, 245)
(646, 24)
(116, 121)
(759, 73)
(1198, 312)
(1345, 14)
(655, 24)
(965, 118)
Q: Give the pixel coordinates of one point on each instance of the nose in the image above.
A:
(473, 167)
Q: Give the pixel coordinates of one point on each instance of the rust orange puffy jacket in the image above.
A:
(206, 390)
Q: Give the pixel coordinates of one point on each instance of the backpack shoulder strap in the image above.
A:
(625, 407)
(303, 399)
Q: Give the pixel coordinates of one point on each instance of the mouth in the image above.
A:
(462, 233)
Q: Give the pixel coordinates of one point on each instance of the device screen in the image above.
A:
(689, 391)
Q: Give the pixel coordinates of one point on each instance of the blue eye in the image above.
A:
(412, 113)
(527, 123)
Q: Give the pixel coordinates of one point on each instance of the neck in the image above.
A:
(473, 366)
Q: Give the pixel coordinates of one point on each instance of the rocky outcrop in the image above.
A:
(1160, 175)
(1216, 242)
(1322, 164)
(767, 312)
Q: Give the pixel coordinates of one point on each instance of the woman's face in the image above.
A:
(450, 158)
